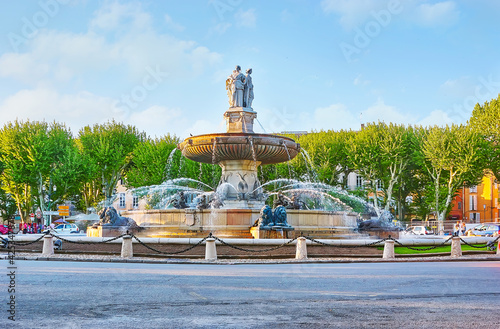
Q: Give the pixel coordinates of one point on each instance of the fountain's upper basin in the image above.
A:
(268, 149)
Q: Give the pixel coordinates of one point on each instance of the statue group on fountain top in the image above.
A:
(240, 88)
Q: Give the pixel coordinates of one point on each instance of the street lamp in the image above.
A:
(52, 190)
(485, 207)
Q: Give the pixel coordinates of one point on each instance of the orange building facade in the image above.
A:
(478, 204)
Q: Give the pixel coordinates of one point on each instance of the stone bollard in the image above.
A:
(48, 245)
(498, 247)
(127, 249)
(388, 249)
(301, 250)
(210, 250)
(456, 248)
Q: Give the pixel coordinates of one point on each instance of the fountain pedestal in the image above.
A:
(240, 120)
(240, 185)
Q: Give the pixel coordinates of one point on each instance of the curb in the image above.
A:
(261, 262)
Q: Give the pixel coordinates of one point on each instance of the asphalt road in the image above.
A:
(371, 295)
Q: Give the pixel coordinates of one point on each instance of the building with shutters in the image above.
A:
(477, 204)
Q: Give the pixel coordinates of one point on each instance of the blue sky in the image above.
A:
(331, 64)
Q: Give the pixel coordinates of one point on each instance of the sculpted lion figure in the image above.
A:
(280, 216)
(109, 217)
(266, 216)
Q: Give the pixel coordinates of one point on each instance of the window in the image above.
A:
(379, 184)
(359, 181)
(122, 200)
(472, 202)
(473, 189)
(135, 202)
(459, 205)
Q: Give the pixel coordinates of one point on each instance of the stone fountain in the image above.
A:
(239, 152)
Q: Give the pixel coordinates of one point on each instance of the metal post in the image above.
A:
(301, 250)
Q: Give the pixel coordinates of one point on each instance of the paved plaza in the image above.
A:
(62, 294)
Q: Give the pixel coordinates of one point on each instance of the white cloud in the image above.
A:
(334, 115)
(62, 56)
(386, 113)
(173, 25)
(84, 108)
(45, 104)
(156, 120)
(436, 117)
(200, 127)
(113, 15)
(221, 28)
(22, 67)
(354, 13)
(458, 88)
(351, 12)
(437, 14)
(245, 18)
(359, 81)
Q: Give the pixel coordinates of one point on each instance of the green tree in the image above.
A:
(31, 152)
(364, 151)
(451, 157)
(327, 152)
(109, 147)
(396, 153)
(150, 160)
(485, 120)
(7, 204)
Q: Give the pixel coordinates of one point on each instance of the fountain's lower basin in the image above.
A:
(237, 223)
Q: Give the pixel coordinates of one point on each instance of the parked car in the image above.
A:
(66, 228)
(5, 229)
(420, 230)
(484, 229)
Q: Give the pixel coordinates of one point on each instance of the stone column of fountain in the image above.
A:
(239, 176)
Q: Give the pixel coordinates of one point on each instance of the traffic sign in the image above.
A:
(38, 213)
(63, 210)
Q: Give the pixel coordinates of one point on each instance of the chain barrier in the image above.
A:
(15, 243)
(169, 253)
(421, 249)
(12, 242)
(78, 242)
(250, 250)
(331, 245)
(480, 246)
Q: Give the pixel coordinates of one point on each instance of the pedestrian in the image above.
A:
(456, 228)
(464, 228)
